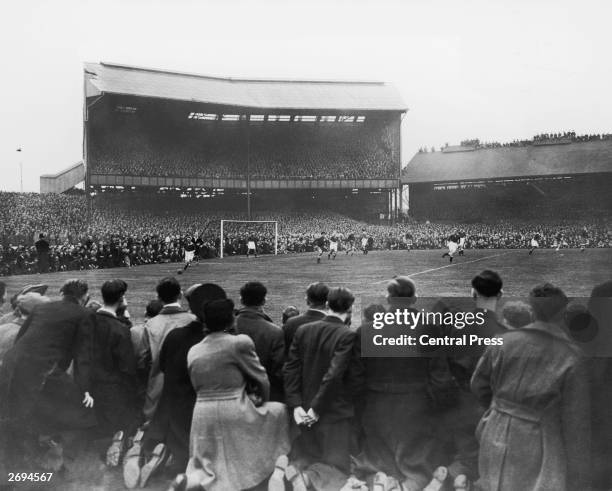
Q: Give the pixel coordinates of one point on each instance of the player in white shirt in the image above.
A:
(333, 246)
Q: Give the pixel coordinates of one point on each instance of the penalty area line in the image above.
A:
(450, 266)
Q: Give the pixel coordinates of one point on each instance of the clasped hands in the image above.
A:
(305, 418)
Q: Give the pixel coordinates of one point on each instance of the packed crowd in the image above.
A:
(310, 152)
(565, 137)
(212, 395)
(124, 233)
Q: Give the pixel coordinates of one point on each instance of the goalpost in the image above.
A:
(223, 222)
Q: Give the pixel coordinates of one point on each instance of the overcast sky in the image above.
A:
(494, 70)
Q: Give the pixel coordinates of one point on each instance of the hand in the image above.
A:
(313, 417)
(300, 416)
(88, 400)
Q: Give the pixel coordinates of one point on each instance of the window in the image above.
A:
(230, 117)
(360, 119)
(346, 119)
(305, 118)
(328, 119)
(284, 117)
(256, 117)
(204, 116)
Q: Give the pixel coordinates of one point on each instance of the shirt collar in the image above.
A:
(173, 304)
(107, 311)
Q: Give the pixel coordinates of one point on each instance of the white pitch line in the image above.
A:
(449, 266)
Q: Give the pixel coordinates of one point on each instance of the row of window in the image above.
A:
(275, 118)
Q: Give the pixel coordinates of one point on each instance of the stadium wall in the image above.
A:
(63, 180)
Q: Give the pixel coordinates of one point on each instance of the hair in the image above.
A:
(340, 300)
(517, 314)
(74, 288)
(41, 236)
(153, 308)
(401, 286)
(253, 294)
(219, 314)
(316, 293)
(113, 291)
(168, 290)
(200, 296)
(488, 283)
(2, 291)
(290, 312)
(370, 310)
(602, 290)
(547, 301)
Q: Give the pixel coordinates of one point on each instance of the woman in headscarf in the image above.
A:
(236, 436)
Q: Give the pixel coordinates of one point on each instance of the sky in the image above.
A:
(487, 69)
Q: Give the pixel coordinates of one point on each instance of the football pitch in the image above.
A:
(287, 276)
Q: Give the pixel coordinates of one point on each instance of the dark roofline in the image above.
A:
(232, 79)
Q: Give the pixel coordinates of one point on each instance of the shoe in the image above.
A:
(179, 483)
(277, 479)
(131, 466)
(380, 482)
(115, 451)
(298, 480)
(158, 457)
(461, 483)
(439, 476)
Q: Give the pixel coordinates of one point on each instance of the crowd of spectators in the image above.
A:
(541, 139)
(125, 233)
(307, 152)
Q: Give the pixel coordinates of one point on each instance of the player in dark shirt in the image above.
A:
(319, 243)
(350, 244)
(189, 248)
(409, 242)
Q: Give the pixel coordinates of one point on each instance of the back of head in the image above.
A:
(113, 291)
(74, 288)
(517, 314)
(153, 308)
(168, 290)
(202, 294)
(27, 302)
(253, 294)
(219, 314)
(371, 310)
(2, 291)
(401, 287)
(340, 300)
(290, 312)
(487, 284)
(316, 294)
(547, 302)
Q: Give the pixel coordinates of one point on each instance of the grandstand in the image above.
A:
(243, 141)
(569, 179)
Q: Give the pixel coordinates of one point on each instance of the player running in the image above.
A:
(453, 244)
(319, 243)
(350, 244)
(535, 243)
(333, 246)
(364, 241)
(190, 249)
(251, 246)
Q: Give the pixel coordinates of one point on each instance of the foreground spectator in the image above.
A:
(114, 384)
(320, 388)
(535, 434)
(253, 321)
(171, 423)
(38, 395)
(316, 299)
(235, 441)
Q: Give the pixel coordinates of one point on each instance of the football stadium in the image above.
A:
(287, 183)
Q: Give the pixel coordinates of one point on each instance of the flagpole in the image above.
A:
(20, 169)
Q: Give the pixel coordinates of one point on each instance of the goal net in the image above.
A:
(236, 234)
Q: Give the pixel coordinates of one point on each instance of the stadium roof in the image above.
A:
(529, 161)
(277, 94)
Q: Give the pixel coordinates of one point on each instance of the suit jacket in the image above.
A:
(269, 345)
(155, 332)
(319, 372)
(55, 335)
(293, 323)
